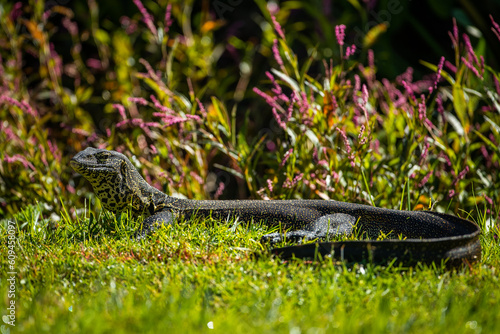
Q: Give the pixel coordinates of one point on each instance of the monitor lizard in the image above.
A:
(424, 236)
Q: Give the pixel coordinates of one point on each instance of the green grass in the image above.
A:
(88, 276)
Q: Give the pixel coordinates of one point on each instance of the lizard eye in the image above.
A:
(104, 155)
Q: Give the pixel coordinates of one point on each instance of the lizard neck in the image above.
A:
(147, 200)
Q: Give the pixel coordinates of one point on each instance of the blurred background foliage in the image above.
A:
(213, 101)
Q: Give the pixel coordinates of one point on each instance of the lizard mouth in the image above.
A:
(75, 165)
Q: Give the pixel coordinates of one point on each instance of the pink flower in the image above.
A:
(94, 63)
(43, 156)
(350, 51)
(280, 122)
(425, 179)
(23, 105)
(425, 152)
(462, 174)
(357, 83)
(371, 59)
(146, 17)
(54, 150)
(168, 18)
(72, 27)
(277, 88)
(285, 158)
(16, 11)
(450, 66)
(346, 141)
(138, 100)
(340, 34)
(121, 110)
(197, 178)
(70, 189)
(151, 73)
(469, 48)
(277, 27)
(454, 35)
(471, 67)
(203, 111)
(364, 91)
(497, 84)
(220, 190)
(277, 56)
(160, 107)
(129, 25)
(438, 75)
(21, 159)
(488, 199)
(439, 103)
(360, 135)
(270, 101)
(495, 28)
(270, 185)
(406, 76)
(422, 109)
(193, 117)
(290, 183)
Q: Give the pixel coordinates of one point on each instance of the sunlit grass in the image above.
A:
(189, 276)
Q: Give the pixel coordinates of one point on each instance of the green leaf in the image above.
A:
(230, 171)
(487, 141)
(291, 82)
(460, 106)
(444, 74)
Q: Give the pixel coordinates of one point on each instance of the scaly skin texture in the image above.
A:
(428, 236)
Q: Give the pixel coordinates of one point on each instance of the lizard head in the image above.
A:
(115, 180)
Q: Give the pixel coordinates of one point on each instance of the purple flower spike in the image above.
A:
(422, 110)
(350, 51)
(270, 185)
(425, 179)
(285, 158)
(471, 67)
(220, 190)
(146, 17)
(495, 28)
(277, 56)
(121, 110)
(455, 31)
(168, 18)
(277, 27)
(438, 75)
(203, 111)
(138, 100)
(340, 34)
(470, 49)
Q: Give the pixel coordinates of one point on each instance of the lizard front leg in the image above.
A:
(153, 222)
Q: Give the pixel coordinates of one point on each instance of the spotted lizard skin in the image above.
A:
(427, 236)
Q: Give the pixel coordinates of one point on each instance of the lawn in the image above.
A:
(192, 277)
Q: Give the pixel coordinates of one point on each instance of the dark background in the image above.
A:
(418, 30)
